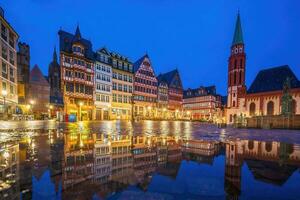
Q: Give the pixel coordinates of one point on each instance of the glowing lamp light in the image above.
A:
(5, 154)
(81, 104)
(32, 102)
(4, 93)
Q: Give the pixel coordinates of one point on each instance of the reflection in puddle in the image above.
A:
(81, 164)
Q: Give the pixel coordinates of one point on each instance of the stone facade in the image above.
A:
(264, 96)
(8, 66)
(23, 62)
(56, 96)
(39, 93)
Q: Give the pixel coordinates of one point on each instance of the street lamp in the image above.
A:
(4, 94)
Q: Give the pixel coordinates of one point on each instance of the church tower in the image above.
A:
(236, 67)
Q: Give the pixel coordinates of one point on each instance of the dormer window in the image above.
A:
(78, 50)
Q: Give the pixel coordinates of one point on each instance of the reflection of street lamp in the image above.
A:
(32, 102)
(50, 108)
(4, 94)
(80, 104)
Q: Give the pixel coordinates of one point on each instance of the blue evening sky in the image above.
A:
(193, 35)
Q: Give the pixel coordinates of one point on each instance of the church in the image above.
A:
(266, 94)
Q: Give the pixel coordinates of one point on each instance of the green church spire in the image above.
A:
(238, 33)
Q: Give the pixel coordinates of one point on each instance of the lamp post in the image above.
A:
(4, 94)
(32, 102)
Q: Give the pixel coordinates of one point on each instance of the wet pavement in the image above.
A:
(146, 160)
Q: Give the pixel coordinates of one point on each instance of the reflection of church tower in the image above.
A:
(236, 67)
(232, 172)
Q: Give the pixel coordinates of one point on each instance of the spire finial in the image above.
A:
(77, 32)
(238, 34)
(54, 54)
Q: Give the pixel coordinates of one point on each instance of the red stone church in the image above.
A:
(263, 97)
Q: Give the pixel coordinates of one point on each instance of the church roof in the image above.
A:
(272, 79)
(67, 39)
(238, 33)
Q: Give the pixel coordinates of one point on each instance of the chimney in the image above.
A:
(1, 12)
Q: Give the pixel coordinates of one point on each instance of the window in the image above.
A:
(120, 87)
(11, 73)
(11, 57)
(252, 109)
(3, 85)
(120, 76)
(125, 88)
(114, 86)
(114, 98)
(4, 70)
(119, 98)
(12, 89)
(270, 108)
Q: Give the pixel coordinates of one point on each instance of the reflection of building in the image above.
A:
(103, 84)
(264, 97)
(9, 171)
(102, 159)
(175, 92)
(8, 57)
(77, 74)
(39, 92)
(78, 165)
(144, 158)
(56, 98)
(23, 72)
(270, 162)
(122, 87)
(232, 184)
(121, 159)
(145, 89)
(203, 103)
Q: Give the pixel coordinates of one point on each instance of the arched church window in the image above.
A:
(252, 109)
(233, 103)
(268, 146)
(270, 108)
(250, 144)
(235, 64)
(234, 78)
(240, 78)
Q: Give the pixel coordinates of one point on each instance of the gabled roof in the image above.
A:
(37, 77)
(139, 62)
(190, 93)
(66, 40)
(167, 77)
(238, 33)
(272, 79)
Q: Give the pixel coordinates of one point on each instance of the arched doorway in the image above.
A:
(270, 108)
(252, 109)
(294, 106)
